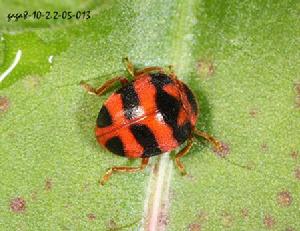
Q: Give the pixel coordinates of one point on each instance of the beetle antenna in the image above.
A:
(238, 165)
(224, 154)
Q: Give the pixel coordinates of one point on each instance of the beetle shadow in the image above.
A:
(204, 121)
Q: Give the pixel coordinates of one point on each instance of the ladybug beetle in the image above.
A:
(150, 115)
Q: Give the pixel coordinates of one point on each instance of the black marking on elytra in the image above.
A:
(159, 80)
(104, 118)
(146, 139)
(130, 100)
(115, 145)
(169, 107)
(182, 133)
(191, 98)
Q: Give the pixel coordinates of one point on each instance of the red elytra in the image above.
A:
(153, 114)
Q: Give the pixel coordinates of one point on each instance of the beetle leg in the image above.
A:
(216, 143)
(168, 71)
(102, 89)
(129, 66)
(149, 69)
(182, 153)
(110, 171)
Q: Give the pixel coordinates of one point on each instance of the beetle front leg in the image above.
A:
(182, 153)
(149, 69)
(114, 169)
(104, 88)
(168, 71)
(129, 66)
(134, 73)
(216, 143)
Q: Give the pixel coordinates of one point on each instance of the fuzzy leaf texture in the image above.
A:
(240, 58)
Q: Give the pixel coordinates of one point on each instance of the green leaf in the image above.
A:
(241, 59)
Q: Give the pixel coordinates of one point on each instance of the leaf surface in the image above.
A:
(241, 59)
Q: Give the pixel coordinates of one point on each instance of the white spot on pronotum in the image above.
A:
(50, 59)
(12, 66)
(159, 117)
(138, 111)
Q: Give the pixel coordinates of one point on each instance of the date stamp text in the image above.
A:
(49, 15)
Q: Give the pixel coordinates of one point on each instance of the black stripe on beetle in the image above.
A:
(159, 80)
(182, 133)
(115, 145)
(104, 118)
(130, 100)
(146, 139)
(169, 107)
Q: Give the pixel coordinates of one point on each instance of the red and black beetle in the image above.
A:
(153, 114)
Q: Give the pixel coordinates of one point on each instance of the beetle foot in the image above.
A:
(221, 149)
